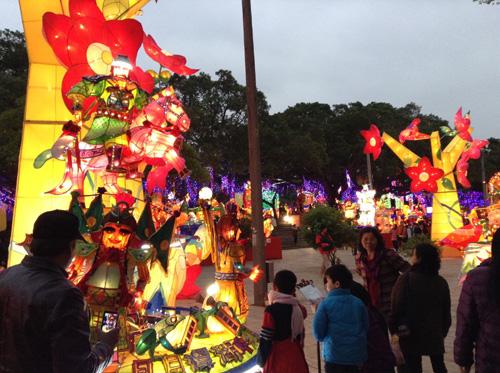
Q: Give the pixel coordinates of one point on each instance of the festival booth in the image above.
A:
(111, 133)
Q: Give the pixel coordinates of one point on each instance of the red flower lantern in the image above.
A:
(473, 152)
(424, 176)
(173, 62)
(86, 44)
(462, 170)
(374, 141)
(462, 124)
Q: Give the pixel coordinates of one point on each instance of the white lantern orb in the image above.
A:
(205, 193)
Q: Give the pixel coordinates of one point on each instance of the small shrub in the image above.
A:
(314, 221)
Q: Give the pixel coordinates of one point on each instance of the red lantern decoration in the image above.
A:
(173, 62)
(474, 151)
(412, 132)
(374, 141)
(462, 170)
(86, 44)
(461, 237)
(462, 124)
(424, 176)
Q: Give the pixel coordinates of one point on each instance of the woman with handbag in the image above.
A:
(420, 311)
(379, 267)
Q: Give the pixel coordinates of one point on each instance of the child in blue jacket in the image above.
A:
(341, 323)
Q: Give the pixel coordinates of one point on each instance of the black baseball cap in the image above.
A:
(57, 226)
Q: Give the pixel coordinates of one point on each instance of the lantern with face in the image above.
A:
(116, 236)
(118, 226)
(121, 66)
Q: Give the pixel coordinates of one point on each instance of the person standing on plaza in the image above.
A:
(394, 237)
(43, 324)
(421, 311)
(478, 316)
(379, 267)
(380, 356)
(281, 347)
(341, 323)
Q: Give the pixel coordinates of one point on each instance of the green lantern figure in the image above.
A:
(117, 99)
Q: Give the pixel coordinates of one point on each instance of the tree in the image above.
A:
(487, 1)
(13, 78)
(217, 109)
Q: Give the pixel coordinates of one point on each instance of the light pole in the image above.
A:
(484, 151)
(260, 287)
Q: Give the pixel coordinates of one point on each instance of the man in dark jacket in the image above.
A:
(421, 311)
(43, 323)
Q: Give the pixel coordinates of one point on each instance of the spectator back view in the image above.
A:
(43, 325)
(477, 338)
(341, 323)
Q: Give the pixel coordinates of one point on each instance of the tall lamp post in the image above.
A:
(260, 287)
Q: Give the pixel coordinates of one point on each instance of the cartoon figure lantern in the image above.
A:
(229, 268)
(104, 270)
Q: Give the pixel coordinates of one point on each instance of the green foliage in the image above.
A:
(13, 76)
(314, 221)
(447, 183)
(408, 246)
(217, 109)
(194, 164)
(489, 2)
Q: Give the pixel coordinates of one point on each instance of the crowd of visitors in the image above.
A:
(399, 314)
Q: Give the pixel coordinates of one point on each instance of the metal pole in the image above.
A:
(260, 288)
(318, 355)
(483, 176)
(369, 167)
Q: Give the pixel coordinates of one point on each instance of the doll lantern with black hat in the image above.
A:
(104, 270)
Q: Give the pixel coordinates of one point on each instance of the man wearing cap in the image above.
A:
(43, 324)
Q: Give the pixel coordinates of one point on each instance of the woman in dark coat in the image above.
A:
(380, 357)
(478, 316)
(420, 311)
(379, 267)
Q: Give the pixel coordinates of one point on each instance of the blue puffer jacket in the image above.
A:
(341, 322)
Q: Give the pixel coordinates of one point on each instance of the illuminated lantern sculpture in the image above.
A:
(412, 133)
(229, 269)
(114, 99)
(424, 177)
(473, 151)
(438, 177)
(373, 141)
(366, 203)
(104, 270)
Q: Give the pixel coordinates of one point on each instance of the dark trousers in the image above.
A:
(336, 368)
(414, 364)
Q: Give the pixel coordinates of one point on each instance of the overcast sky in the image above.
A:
(440, 54)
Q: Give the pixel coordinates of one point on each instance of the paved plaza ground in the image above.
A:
(306, 264)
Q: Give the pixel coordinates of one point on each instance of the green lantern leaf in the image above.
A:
(42, 158)
(445, 130)
(438, 154)
(447, 183)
